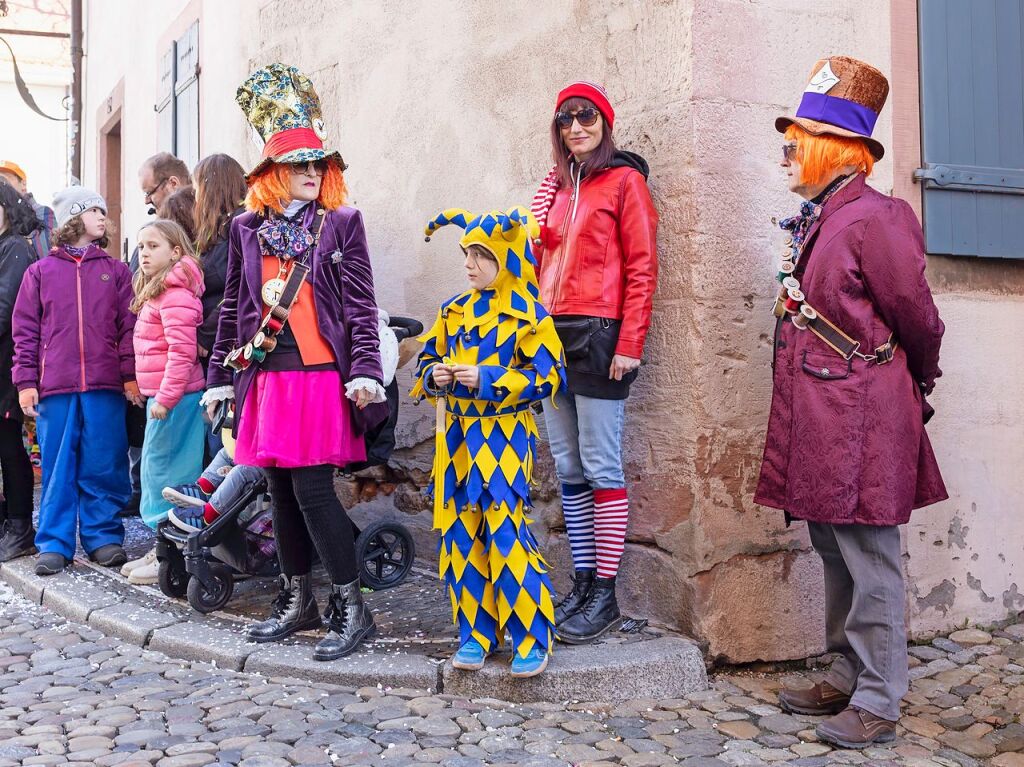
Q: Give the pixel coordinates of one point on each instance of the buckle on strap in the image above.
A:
(883, 353)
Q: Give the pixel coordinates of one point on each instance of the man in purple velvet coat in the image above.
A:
(856, 351)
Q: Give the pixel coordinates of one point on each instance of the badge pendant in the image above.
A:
(272, 290)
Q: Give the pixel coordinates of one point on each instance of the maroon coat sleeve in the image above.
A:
(892, 262)
(125, 323)
(26, 328)
(359, 307)
(227, 321)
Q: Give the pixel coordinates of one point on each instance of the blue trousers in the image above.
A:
(84, 449)
(172, 454)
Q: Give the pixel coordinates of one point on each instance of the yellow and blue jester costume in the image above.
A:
(485, 444)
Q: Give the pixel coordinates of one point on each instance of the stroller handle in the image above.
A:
(405, 327)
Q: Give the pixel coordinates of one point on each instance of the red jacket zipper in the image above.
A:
(81, 326)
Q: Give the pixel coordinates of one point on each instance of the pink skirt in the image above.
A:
(297, 418)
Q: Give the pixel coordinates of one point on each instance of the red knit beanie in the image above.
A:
(592, 92)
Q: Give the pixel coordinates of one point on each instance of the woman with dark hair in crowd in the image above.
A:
(597, 267)
(17, 221)
(180, 208)
(220, 190)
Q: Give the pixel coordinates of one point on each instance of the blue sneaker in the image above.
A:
(535, 661)
(188, 519)
(186, 495)
(470, 657)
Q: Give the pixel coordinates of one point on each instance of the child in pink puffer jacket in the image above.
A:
(168, 291)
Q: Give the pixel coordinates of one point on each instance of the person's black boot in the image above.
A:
(575, 599)
(18, 539)
(294, 610)
(599, 615)
(348, 621)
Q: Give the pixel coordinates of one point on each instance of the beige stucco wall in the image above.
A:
(447, 104)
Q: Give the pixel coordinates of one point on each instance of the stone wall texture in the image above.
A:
(448, 104)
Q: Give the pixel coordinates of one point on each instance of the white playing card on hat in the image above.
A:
(823, 81)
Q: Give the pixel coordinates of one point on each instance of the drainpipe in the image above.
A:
(76, 89)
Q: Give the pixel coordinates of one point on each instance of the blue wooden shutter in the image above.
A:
(972, 120)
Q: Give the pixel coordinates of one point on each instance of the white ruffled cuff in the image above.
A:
(217, 394)
(379, 395)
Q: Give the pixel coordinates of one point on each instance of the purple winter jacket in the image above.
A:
(346, 308)
(72, 325)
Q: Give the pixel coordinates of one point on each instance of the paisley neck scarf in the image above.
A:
(810, 211)
(284, 238)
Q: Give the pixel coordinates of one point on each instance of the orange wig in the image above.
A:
(820, 156)
(271, 186)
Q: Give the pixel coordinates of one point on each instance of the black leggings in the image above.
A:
(307, 513)
(17, 470)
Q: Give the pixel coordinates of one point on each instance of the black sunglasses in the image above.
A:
(585, 117)
(789, 152)
(319, 166)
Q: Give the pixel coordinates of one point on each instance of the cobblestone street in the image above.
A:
(70, 695)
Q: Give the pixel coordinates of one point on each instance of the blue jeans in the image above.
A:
(85, 471)
(172, 454)
(585, 435)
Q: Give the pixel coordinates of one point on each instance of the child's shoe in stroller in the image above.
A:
(186, 495)
(294, 610)
(535, 661)
(188, 519)
(470, 657)
(348, 621)
(148, 558)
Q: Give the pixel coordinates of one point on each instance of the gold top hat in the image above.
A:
(843, 98)
(283, 107)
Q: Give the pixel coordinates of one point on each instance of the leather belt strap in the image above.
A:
(263, 341)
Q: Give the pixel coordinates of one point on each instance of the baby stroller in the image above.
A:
(203, 565)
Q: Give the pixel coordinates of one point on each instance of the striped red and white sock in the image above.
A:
(611, 513)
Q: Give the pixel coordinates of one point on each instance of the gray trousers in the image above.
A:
(864, 614)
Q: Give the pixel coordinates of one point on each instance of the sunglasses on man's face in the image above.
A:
(789, 152)
(319, 167)
(585, 117)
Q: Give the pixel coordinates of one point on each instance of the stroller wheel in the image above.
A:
(172, 577)
(385, 553)
(207, 600)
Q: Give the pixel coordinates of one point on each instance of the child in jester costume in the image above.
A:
(492, 351)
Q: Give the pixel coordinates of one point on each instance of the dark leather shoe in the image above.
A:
(821, 700)
(50, 563)
(856, 728)
(111, 555)
(575, 599)
(18, 539)
(294, 610)
(348, 621)
(598, 615)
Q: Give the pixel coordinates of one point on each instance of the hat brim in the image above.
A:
(296, 155)
(817, 128)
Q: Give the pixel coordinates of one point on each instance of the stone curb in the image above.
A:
(666, 667)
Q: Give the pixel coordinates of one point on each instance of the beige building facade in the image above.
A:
(448, 104)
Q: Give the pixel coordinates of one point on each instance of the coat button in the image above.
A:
(533, 331)
(487, 485)
(825, 371)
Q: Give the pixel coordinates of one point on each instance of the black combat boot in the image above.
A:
(575, 599)
(18, 539)
(599, 615)
(294, 610)
(348, 621)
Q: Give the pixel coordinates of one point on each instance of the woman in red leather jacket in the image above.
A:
(597, 270)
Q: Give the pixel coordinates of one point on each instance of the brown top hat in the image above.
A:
(842, 98)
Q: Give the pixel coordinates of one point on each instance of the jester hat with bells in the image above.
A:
(506, 236)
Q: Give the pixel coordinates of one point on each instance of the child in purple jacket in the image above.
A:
(74, 367)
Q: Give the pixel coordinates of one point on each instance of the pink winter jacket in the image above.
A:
(166, 353)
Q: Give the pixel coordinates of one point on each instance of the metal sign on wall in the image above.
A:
(972, 125)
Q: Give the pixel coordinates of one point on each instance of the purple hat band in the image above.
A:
(841, 113)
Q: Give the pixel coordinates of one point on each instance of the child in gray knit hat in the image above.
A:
(74, 201)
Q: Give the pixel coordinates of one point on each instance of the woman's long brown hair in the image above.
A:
(220, 189)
